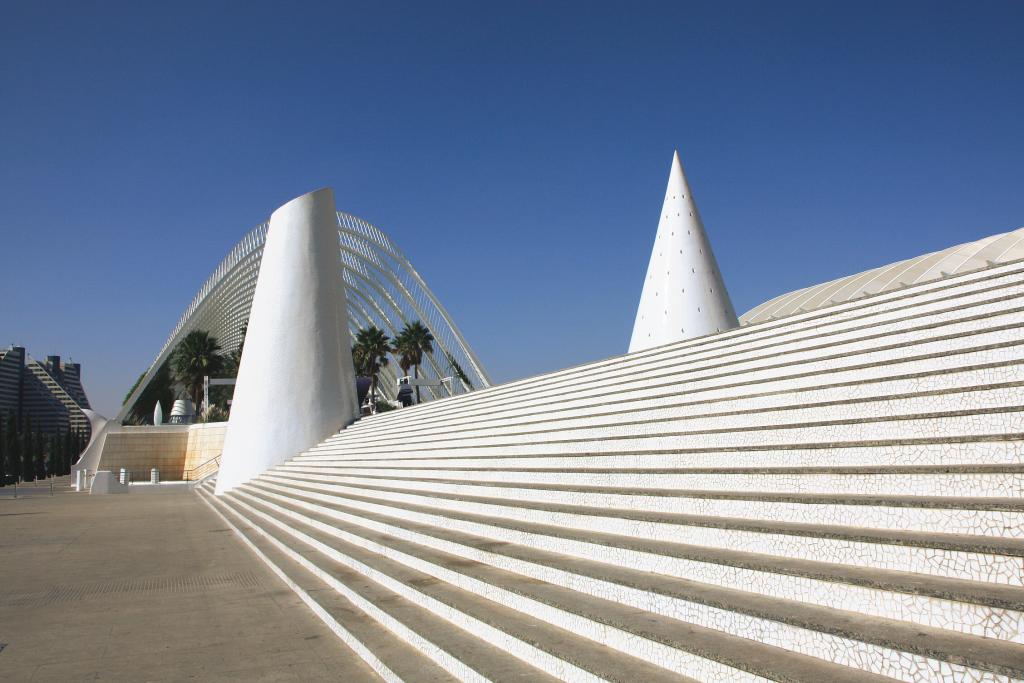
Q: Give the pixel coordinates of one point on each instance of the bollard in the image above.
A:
(124, 476)
(154, 476)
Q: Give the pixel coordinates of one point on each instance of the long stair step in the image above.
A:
(981, 449)
(1000, 481)
(999, 593)
(390, 657)
(749, 375)
(440, 647)
(476, 630)
(1000, 363)
(950, 423)
(1003, 343)
(1005, 396)
(971, 368)
(796, 626)
(741, 410)
(962, 559)
(672, 353)
(622, 629)
(985, 609)
(997, 517)
(977, 348)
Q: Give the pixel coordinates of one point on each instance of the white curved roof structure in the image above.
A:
(962, 258)
(382, 288)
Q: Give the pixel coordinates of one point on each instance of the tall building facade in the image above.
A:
(48, 394)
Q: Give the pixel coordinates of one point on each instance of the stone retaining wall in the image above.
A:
(172, 449)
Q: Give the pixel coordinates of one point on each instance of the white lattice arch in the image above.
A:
(383, 289)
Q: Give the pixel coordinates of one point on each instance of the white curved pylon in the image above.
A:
(684, 295)
(296, 383)
(89, 459)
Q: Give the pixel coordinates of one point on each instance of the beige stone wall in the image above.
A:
(205, 442)
(172, 449)
(139, 449)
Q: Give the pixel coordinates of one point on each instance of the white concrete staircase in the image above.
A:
(833, 496)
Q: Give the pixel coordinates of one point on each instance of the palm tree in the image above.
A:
(159, 390)
(233, 360)
(416, 340)
(459, 372)
(402, 347)
(196, 356)
(370, 354)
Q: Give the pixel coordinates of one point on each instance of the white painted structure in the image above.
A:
(684, 295)
(833, 495)
(836, 495)
(962, 258)
(296, 384)
(89, 460)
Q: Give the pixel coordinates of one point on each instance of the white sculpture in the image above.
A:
(158, 415)
(684, 295)
(296, 382)
(183, 411)
(89, 459)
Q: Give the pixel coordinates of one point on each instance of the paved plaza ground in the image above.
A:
(147, 587)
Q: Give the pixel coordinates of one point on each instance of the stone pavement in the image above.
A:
(148, 586)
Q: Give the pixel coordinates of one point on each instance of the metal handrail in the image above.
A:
(189, 475)
(28, 488)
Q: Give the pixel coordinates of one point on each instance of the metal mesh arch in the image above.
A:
(383, 289)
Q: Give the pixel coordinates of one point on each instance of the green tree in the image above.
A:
(215, 414)
(64, 457)
(402, 346)
(160, 388)
(416, 341)
(60, 454)
(370, 354)
(3, 454)
(134, 387)
(39, 455)
(220, 395)
(65, 447)
(13, 446)
(459, 372)
(233, 360)
(196, 356)
(27, 465)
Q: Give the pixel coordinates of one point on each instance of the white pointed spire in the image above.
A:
(684, 295)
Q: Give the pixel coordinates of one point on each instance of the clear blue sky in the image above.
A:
(517, 151)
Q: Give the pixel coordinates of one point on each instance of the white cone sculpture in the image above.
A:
(684, 295)
(296, 384)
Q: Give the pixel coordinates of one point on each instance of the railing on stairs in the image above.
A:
(204, 470)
